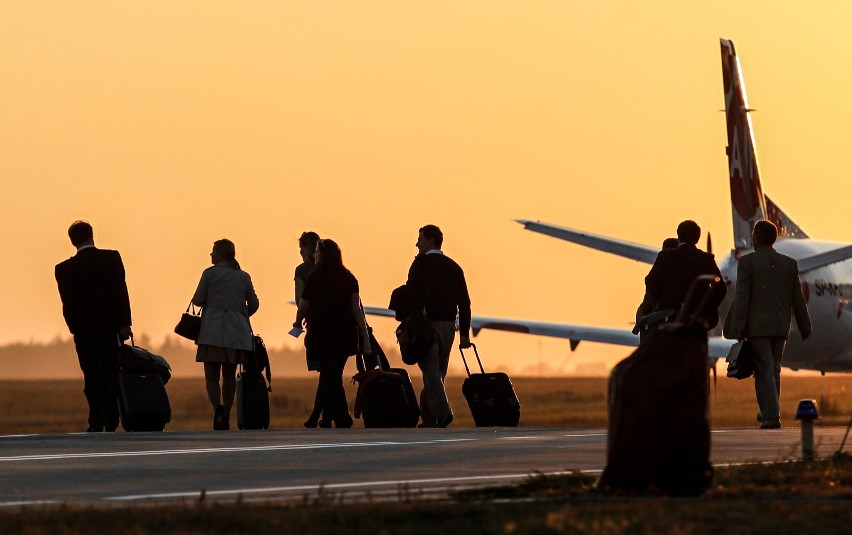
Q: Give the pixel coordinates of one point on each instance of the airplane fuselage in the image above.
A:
(826, 290)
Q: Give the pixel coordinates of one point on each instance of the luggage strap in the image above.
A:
(475, 352)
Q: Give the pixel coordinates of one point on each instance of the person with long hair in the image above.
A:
(336, 329)
(226, 294)
(307, 246)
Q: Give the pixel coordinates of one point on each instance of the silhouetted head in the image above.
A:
(688, 232)
(670, 243)
(224, 251)
(764, 233)
(81, 233)
(430, 237)
(328, 256)
(308, 245)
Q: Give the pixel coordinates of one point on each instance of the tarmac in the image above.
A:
(345, 464)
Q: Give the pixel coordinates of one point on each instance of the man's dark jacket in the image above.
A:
(672, 274)
(94, 292)
(437, 282)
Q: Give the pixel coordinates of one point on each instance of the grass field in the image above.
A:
(59, 406)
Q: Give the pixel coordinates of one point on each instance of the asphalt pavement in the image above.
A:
(299, 464)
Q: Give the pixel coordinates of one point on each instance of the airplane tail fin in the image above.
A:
(748, 202)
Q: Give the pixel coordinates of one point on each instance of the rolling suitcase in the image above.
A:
(490, 396)
(143, 404)
(385, 396)
(252, 395)
(658, 438)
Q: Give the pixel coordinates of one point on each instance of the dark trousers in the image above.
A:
(98, 356)
(319, 400)
(336, 408)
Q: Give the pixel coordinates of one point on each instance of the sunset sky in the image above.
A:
(170, 124)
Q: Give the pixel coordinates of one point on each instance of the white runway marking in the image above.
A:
(29, 503)
(94, 455)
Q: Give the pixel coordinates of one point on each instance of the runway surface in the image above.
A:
(305, 464)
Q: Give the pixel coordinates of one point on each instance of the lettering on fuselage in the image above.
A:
(832, 289)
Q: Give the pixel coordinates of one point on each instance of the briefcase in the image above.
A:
(740, 360)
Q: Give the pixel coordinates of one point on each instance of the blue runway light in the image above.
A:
(807, 409)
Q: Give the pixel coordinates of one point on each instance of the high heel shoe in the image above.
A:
(219, 419)
(311, 422)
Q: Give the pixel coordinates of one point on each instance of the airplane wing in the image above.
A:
(633, 251)
(823, 259)
(718, 347)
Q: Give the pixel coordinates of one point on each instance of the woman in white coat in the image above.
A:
(226, 294)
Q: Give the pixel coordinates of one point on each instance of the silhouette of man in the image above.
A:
(768, 289)
(437, 283)
(674, 270)
(647, 304)
(96, 308)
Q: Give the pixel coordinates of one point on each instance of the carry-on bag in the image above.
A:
(143, 404)
(252, 395)
(490, 396)
(385, 396)
(132, 358)
(658, 438)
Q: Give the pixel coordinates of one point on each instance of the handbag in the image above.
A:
(189, 325)
(740, 360)
(415, 336)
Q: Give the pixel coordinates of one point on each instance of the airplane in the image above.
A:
(825, 268)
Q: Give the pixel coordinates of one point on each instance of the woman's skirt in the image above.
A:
(220, 355)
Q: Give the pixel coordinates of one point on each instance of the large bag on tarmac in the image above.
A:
(385, 396)
(252, 397)
(143, 403)
(659, 428)
(490, 396)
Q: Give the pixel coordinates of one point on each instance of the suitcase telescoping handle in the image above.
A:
(701, 292)
(475, 352)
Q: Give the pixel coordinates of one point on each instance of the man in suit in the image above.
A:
(647, 305)
(96, 307)
(674, 270)
(768, 289)
(437, 283)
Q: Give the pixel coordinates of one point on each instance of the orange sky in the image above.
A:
(168, 125)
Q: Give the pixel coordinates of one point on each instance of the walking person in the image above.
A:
(437, 285)
(646, 307)
(768, 290)
(96, 307)
(227, 296)
(674, 270)
(336, 329)
(307, 247)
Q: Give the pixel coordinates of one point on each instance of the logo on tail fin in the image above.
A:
(747, 197)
